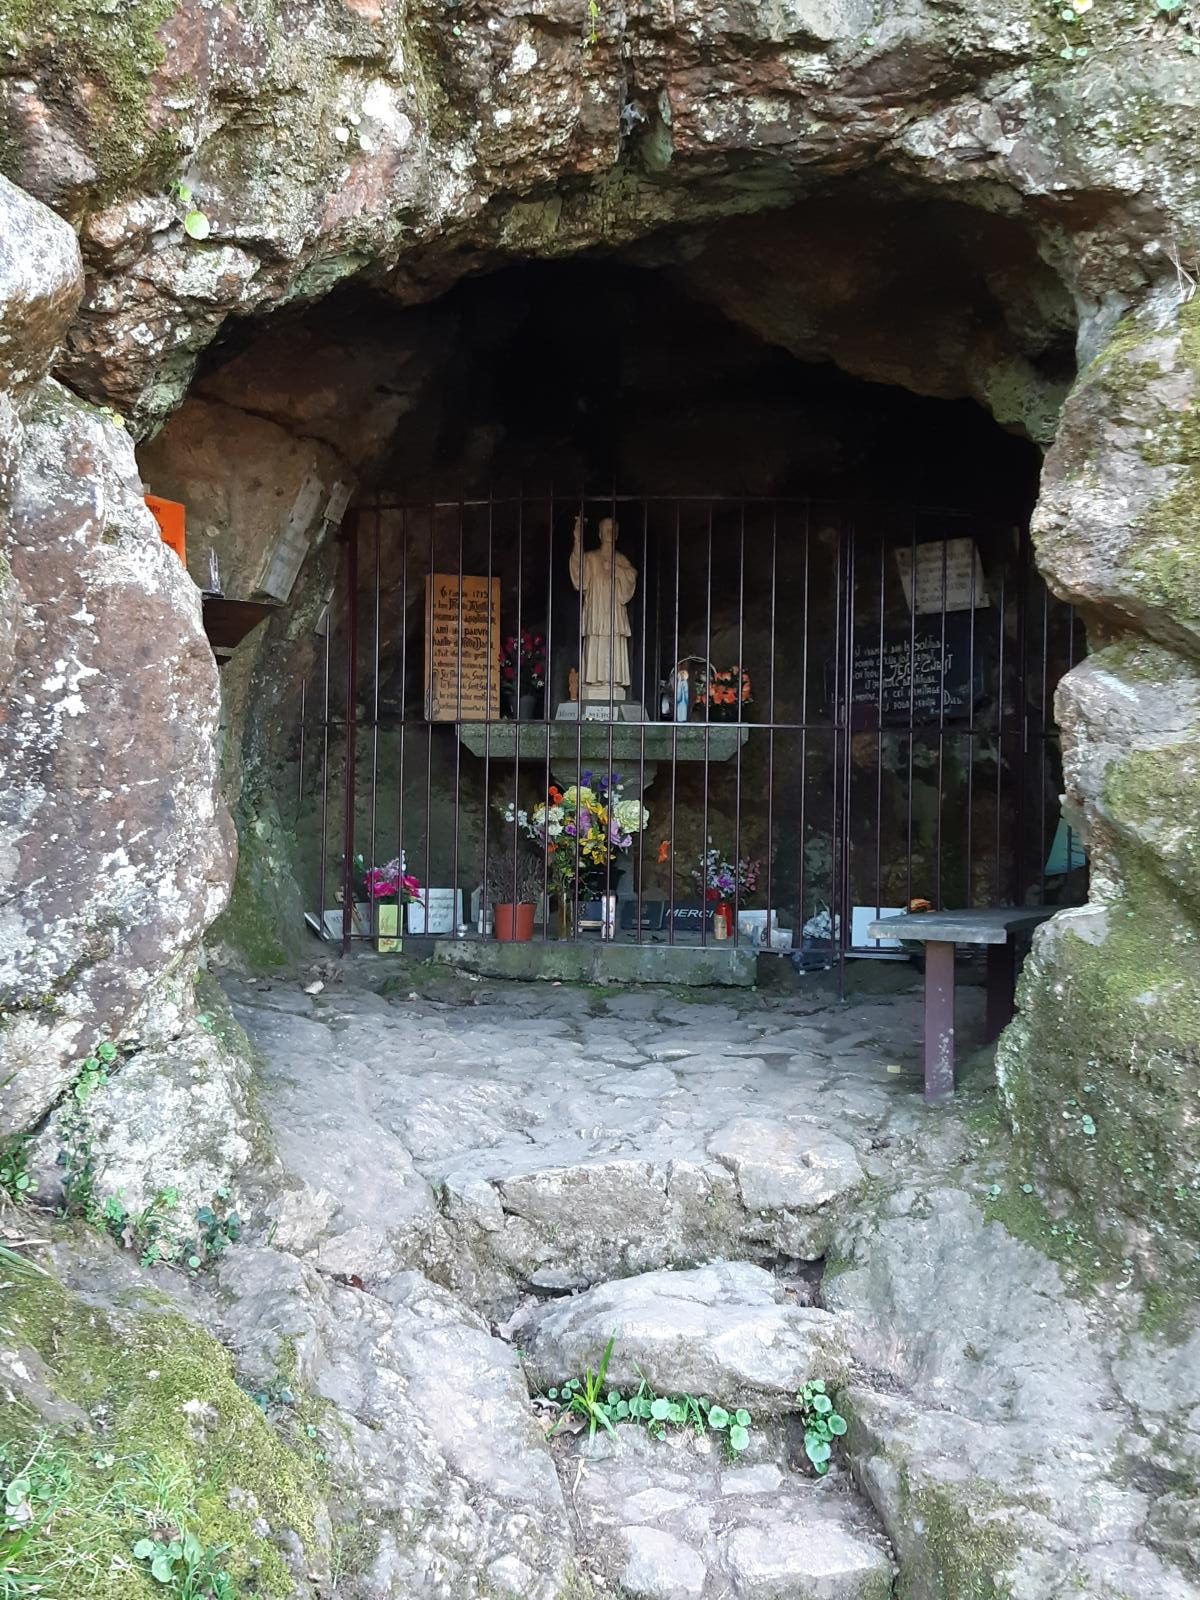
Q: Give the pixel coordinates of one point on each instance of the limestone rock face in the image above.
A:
(721, 1331)
(674, 1521)
(1100, 1070)
(439, 1461)
(382, 136)
(1007, 1454)
(115, 849)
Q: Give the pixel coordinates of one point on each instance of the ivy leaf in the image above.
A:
(739, 1437)
(742, 1418)
(836, 1424)
(197, 226)
(144, 1549)
(660, 1410)
(718, 1417)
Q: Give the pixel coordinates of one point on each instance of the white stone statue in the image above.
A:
(606, 581)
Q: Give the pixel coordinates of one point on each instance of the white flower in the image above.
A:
(631, 815)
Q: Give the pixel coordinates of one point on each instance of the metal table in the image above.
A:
(939, 932)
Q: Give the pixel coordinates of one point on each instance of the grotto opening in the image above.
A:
(844, 744)
(293, 1248)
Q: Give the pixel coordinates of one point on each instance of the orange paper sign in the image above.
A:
(170, 516)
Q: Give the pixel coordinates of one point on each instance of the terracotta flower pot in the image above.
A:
(513, 922)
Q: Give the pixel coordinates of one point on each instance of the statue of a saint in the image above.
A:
(606, 581)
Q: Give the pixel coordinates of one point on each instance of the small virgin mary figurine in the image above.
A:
(683, 693)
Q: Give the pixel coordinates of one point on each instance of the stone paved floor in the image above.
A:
(457, 1149)
(545, 1136)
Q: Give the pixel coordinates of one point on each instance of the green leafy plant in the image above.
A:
(187, 1568)
(217, 1228)
(736, 1426)
(593, 21)
(93, 1073)
(195, 224)
(588, 1399)
(16, 1181)
(75, 1151)
(822, 1424)
(32, 1486)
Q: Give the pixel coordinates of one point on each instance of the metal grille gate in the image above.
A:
(898, 739)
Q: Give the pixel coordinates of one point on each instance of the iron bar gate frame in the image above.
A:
(837, 725)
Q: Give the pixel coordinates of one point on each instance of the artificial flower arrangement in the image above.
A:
(581, 828)
(523, 662)
(391, 882)
(720, 880)
(722, 691)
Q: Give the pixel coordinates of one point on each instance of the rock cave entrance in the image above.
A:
(785, 420)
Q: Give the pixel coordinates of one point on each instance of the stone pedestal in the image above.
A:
(633, 747)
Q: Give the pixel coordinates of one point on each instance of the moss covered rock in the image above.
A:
(137, 1429)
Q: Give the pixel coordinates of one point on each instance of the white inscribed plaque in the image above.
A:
(952, 559)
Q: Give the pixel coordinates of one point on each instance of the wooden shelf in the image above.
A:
(227, 622)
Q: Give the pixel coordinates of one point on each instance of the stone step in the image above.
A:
(725, 1331)
(672, 1519)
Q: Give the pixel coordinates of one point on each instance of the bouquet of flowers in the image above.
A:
(391, 882)
(523, 663)
(581, 828)
(720, 880)
(722, 693)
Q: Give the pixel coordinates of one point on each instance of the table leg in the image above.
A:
(1001, 984)
(939, 1020)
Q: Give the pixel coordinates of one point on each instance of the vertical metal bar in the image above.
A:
(403, 682)
(843, 942)
(771, 732)
(458, 717)
(430, 602)
(801, 911)
(971, 734)
(351, 729)
(1043, 742)
(1018, 879)
(484, 902)
(674, 742)
(641, 788)
(375, 689)
(997, 889)
(878, 728)
(519, 642)
(579, 719)
(549, 728)
(612, 709)
(941, 732)
(737, 755)
(912, 696)
(324, 864)
(707, 725)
